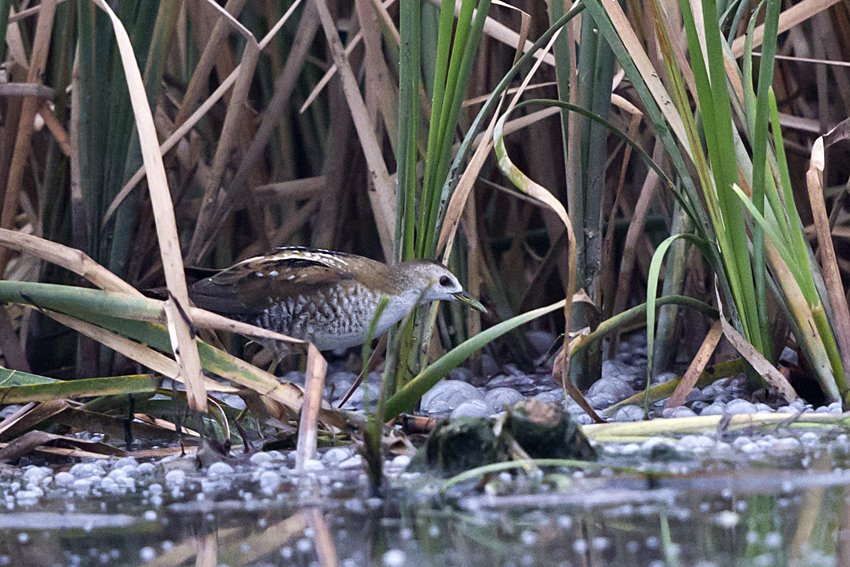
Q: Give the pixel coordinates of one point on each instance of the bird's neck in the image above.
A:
(398, 307)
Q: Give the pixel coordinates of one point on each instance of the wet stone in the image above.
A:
(696, 443)
(695, 395)
(260, 458)
(519, 382)
(489, 366)
(294, 377)
(35, 475)
(677, 412)
(83, 470)
(789, 356)
(740, 407)
(583, 419)
(63, 479)
(147, 468)
(715, 392)
(629, 413)
(447, 395)
(220, 469)
(126, 462)
(611, 388)
(663, 377)
(400, 462)
(462, 374)
(336, 455)
(472, 408)
(363, 392)
(540, 341)
(556, 395)
(717, 408)
(498, 398)
(617, 370)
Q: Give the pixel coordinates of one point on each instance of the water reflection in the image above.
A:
(752, 518)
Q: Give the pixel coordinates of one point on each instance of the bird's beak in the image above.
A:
(469, 301)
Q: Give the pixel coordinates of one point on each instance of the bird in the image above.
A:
(325, 297)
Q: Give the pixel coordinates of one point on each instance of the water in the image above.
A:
(695, 513)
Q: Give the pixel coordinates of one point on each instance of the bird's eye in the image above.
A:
(445, 281)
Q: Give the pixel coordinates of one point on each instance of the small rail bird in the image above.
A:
(328, 298)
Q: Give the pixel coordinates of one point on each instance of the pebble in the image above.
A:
(499, 398)
(354, 462)
(680, 411)
(175, 476)
(740, 407)
(663, 377)
(260, 458)
(583, 419)
(629, 413)
(336, 455)
(472, 408)
(462, 374)
(64, 479)
(540, 341)
(657, 444)
(147, 468)
(615, 369)
(447, 395)
(789, 355)
(83, 470)
(126, 462)
(556, 395)
(717, 408)
(809, 438)
(489, 366)
(219, 469)
(715, 392)
(695, 395)
(36, 475)
(615, 388)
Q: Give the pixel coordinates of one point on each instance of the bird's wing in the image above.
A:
(248, 286)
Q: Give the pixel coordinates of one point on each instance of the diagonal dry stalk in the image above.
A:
(182, 338)
(382, 189)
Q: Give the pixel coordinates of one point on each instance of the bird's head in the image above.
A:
(434, 282)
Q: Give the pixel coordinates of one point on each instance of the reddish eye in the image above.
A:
(445, 281)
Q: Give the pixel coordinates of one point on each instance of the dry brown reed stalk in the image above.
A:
(788, 19)
(314, 386)
(382, 189)
(10, 346)
(322, 538)
(135, 351)
(698, 364)
(635, 237)
(197, 83)
(761, 365)
(81, 264)
(229, 131)
(182, 338)
(284, 86)
(10, 183)
(826, 251)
